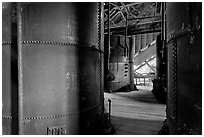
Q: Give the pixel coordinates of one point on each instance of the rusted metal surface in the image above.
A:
(41, 25)
(184, 106)
(62, 51)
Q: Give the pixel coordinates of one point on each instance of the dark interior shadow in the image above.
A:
(14, 73)
(84, 18)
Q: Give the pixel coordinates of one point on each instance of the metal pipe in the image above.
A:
(124, 49)
(163, 21)
(102, 26)
(117, 56)
(108, 59)
(109, 114)
(107, 50)
(102, 48)
(126, 32)
(131, 62)
(163, 35)
(20, 71)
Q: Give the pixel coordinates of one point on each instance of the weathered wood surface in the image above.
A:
(136, 112)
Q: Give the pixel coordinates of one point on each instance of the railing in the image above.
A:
(145, 80)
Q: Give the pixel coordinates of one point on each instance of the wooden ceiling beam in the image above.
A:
(125, 8)
(151, 67)
(133, 4)
(148, 27)
(145, 55)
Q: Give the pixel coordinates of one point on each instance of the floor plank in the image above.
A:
(135, 112)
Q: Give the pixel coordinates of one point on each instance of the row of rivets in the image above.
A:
(174, 80)
(8, 117)
(49, 42)
(46, 42)
(6, 43)
(38, 117)
(99, 47)
(47, 117)
(42, 42)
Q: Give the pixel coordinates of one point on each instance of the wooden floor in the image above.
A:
(135, 112)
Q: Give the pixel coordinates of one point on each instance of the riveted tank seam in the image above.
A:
(54, 116)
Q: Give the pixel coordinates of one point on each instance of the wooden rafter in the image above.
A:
(125, 8)
(132, 4)
(143, 63)
(115, 15)
(113, 4)
(151, 67)
(147, 27)
(123, 15)
(113, 23)
(118, 13)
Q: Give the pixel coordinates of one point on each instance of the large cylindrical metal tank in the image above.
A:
(184, 43)
(119, 63)
(62, 70)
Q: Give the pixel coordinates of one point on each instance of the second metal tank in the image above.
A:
(184, 44)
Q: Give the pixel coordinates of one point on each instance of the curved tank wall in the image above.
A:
(119, 63)
(184, 43)
(62, 68)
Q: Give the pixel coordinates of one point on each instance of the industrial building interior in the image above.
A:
(102, 68)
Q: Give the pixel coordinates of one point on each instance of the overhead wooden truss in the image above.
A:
(133, 10)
